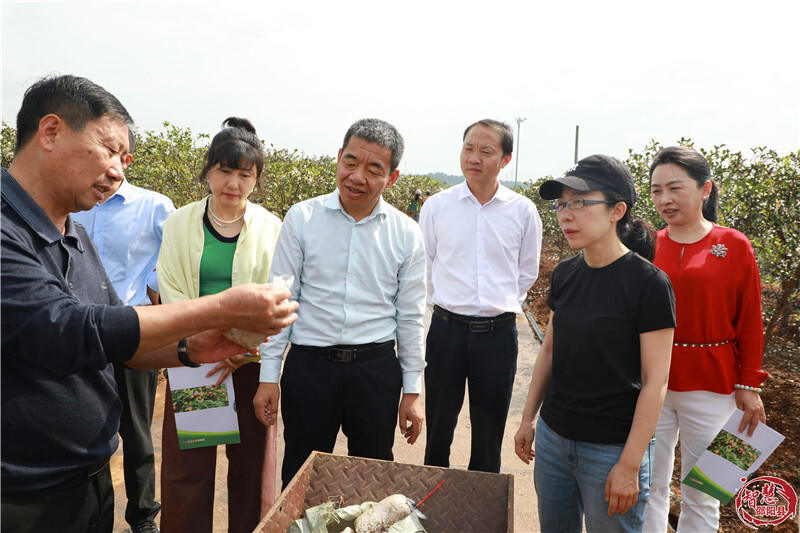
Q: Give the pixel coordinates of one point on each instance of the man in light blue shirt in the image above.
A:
(359, 276)
(126, 230)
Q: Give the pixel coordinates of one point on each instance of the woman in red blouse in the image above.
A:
(718, 345)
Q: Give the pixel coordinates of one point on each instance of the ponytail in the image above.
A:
(711, 204)
(636, 234)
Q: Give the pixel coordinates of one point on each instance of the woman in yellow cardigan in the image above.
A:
(208, 246)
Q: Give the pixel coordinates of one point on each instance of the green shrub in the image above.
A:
(758, 195)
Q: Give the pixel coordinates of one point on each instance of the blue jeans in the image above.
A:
(570, 479)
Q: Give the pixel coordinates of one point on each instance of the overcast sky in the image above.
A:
(627, 72)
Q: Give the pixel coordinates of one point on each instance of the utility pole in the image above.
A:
(516, 168)
(576, 143)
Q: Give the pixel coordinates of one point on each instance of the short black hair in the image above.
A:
(380, 132)
(76, 100)
(506, 134)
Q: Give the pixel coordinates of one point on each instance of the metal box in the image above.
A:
(466, 501)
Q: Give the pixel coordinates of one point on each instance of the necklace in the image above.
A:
(219, 221)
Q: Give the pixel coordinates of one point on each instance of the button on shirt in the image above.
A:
(356, 283)
(482, 259)
(62, 324)
(126, 230)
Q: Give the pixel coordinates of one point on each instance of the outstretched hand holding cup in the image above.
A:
(250, 339)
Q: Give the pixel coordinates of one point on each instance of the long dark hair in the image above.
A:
(235, 146)
(697, 167)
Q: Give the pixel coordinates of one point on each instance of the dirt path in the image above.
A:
(525, 511)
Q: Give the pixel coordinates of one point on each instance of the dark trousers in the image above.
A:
(187, 476)
(137, 390)
(82, 506)
(318, 396)
(487, 361)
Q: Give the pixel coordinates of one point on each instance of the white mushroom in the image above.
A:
(386, 512)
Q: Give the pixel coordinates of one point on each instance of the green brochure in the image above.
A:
(205, 413)
(731, 458)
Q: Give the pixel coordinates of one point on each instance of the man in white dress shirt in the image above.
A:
(359, 276)
(483, 243)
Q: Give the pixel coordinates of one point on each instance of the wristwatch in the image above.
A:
(183, 355)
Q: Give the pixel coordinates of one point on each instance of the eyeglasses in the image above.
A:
(577, 203)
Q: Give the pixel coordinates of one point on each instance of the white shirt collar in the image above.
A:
(502, 194)
(332, 202)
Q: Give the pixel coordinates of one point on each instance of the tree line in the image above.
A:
(759, 195)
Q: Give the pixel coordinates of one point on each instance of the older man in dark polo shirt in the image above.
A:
(63, 324)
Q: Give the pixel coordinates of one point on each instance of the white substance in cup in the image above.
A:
(285, 282)
(249, 339)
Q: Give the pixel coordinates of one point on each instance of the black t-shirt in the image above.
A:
(598, 314)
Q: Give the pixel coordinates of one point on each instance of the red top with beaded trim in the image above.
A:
(719, 338)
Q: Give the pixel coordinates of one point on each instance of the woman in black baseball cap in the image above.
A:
(600, 377)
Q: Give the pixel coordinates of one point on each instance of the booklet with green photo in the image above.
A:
(205, 413)
(732, 457)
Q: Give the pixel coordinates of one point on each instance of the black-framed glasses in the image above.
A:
(577, 203)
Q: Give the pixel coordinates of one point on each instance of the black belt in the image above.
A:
(476, 324)
(350, 353)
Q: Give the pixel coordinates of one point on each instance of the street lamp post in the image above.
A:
(516, 168)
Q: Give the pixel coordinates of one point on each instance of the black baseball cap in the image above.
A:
(593, 173)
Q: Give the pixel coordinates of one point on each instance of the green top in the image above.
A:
(413, 207)
(216, 263)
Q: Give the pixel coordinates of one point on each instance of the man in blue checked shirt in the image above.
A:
(359, 276)
(126, 229)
